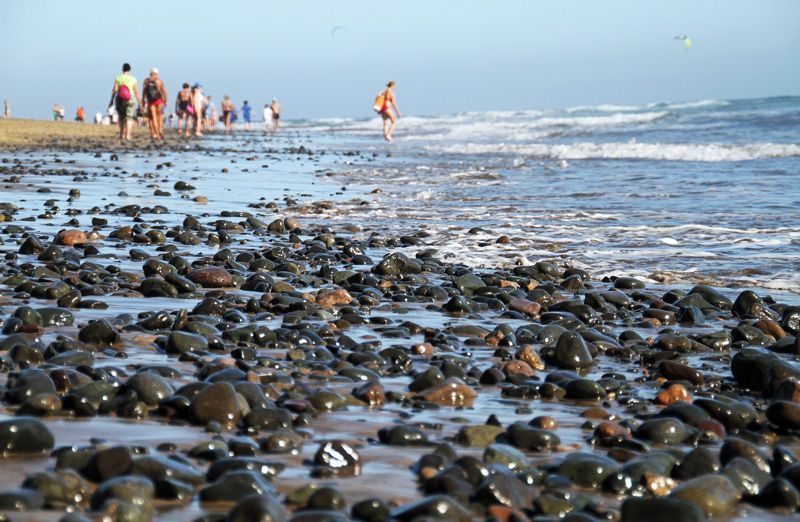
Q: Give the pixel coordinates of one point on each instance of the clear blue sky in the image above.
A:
(446, 55)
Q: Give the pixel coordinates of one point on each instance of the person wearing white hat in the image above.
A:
(155, 99)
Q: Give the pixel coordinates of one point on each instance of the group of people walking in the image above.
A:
(194, 111)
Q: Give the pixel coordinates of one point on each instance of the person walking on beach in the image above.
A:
(155, 99)
(198, 106)
(267, 117)
(6, 109)
(386, 105)
(227, 108)
(80, 114)
(246, 114)
(276, 114)
(183, 106)
(211, 114)
(124, 91)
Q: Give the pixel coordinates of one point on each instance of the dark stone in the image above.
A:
(99, 332)
(571, 352)
(660, 510)
(257, 508)
(24, 435)
(665, 431)
(336, 457)
(587, 470)
(236, 485)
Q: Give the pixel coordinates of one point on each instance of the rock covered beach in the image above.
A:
(173, 352)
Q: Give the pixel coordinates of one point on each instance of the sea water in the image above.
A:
(703, 191)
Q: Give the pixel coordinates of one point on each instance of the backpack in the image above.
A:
(124, 93)
(152, 92)
(380, 102)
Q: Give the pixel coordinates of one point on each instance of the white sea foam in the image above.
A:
(712, 152)
(697, 104)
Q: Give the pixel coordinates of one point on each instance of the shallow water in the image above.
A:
(679, 192)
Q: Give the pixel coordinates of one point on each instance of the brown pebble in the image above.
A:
(675, 393)
(544, 422)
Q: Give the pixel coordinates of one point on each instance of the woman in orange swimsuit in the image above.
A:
(390, 111)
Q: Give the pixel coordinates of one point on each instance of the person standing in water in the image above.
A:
(246, 114)
(267, 114)
(276, 114)
(227, 109)
(155, 99)
(389, 110)
(211, 114)
(198, 106)
(183, 108)
(124, 91)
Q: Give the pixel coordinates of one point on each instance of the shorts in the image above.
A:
(126, 109)
(276, 116)
(156, 103)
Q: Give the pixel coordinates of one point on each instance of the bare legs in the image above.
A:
(183, 117)
(156, 122)
(389, 120)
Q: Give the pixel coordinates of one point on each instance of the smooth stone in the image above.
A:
(371, 510)
(109, 463)
(135, 490)
(20, 499)
(257, 508)
(183, 342)
(159, 467)
(150, 387)
(505, 455)
(532, 439)
(779, 493)
(336, 457)
(587, 470)
(99, 332)
(452, 391)
(216, 403)
(234, 486)
(665, 431)
(748, 304)
(436, 507)
(25, 435)
(699, 461)
(402, 436)
(478, 435)
(784, 414)
(221, 466)
(716, 495)
(59, 488)
(662, 509)
(571, 352)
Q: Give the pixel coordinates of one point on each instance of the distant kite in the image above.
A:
(337, 28)
(687, 42)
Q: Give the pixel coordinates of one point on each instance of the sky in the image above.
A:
(445, 55)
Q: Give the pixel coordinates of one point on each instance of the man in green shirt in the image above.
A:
(125, 88)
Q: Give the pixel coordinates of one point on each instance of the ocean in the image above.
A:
(703, 191)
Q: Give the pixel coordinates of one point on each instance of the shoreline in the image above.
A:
(266, 322)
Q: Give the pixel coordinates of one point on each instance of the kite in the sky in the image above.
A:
(687, 42)
(337, 28)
